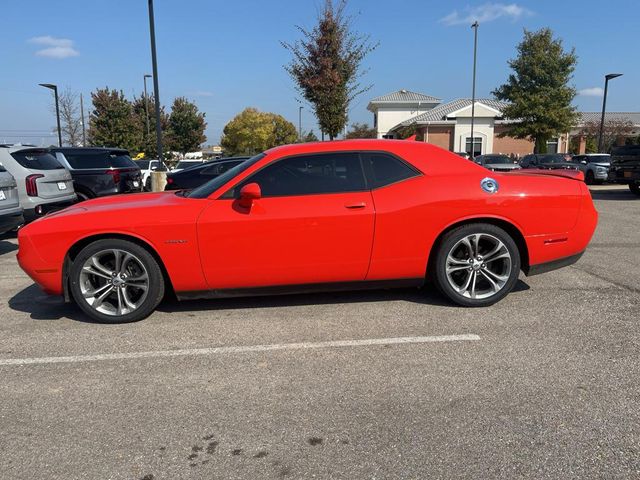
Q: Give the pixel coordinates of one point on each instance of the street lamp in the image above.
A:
(473, 88)
(146, 102)
(300, 123)
(604, 105)
(53, 87)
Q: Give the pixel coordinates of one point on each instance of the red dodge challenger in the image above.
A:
(316, 216)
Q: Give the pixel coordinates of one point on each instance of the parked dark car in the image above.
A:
(595, 166)
(548, 161)
(195, 176)
(98, 172)
(625, 167)
(497, 162)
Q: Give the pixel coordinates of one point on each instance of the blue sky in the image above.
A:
(227, 55)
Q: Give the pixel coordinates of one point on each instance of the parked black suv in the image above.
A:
(98, 172)
(625, 167)
(548, 161)
(195, 176)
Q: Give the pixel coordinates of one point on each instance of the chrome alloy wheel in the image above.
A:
(114, 282)
(478, 266)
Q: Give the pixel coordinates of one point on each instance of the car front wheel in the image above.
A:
(476, 265)
(116, 281)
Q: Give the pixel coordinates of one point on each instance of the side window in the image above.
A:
(386, 169)
(309, 175)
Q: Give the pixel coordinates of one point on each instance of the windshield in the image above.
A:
(79, 159)
(552, 159)
(211, 186)
(188, 163)
(501, 159)
(599, 159)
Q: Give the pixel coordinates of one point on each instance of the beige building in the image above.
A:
(448, 125)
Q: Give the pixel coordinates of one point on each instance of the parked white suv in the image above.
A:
(10, 209)
(44, 185)
(146, 167)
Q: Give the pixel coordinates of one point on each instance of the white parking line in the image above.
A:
(238, 349)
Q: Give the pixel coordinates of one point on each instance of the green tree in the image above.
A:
(325, 66)
(310, 137)
(147, 143)
(361, 130)
(186, 126)
(612, 130)
(111, 122)
(538, 90)
(252, 131)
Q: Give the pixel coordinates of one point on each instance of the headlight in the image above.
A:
(601, 170)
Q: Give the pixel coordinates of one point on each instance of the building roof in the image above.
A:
(440, 113)
(633, 117)
(405, 96)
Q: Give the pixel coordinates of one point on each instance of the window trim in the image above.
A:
(367, 174)
(228, 196)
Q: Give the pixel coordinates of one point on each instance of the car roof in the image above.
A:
(88, 149)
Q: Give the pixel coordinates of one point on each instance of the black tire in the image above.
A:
(589, 178)
(82, 196)
(452, 243)
(635, 188)
(147, 184)
(142, 259)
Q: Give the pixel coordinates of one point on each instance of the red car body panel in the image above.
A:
(383, 234)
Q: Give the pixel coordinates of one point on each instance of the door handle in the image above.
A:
(352, 206)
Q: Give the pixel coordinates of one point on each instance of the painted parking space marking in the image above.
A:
(239, 349)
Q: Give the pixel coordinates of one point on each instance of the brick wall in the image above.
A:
(508, 145)
(441, 136)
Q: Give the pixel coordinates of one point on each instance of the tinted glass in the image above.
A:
(2, 169)
(99, 159)
(203, 191)
(551, 158)
(36, 159)
(598, 159)
(309, 175)
(219, 168)
(387, 169)
(143, 164)
(186, 164)
(496, 159)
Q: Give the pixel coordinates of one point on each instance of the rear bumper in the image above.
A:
(30, 214)
(552, 265)
(11, 221)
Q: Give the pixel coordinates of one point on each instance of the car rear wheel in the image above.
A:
(476, 265)
(589, 178)
(116, 281)
(635, 188)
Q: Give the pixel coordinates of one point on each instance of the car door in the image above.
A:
(313, 224)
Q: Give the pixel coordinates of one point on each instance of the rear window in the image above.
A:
(37, 160)
(188, 164)
(143, 164)
(100, 159)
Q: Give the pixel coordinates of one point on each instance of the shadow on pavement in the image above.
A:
(613, 194)
(7, 247)
(40, 306)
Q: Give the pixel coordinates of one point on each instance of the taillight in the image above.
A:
(169, 180)
(32, 186)
(115, 173)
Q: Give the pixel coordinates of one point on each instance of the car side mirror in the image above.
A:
(154, 167)
(249, 193)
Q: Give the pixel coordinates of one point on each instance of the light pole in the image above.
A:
(158, 176)
(300, 123)
(604, 106)
(473, 88)
(84, 135)
(146, 102)
(53, 87)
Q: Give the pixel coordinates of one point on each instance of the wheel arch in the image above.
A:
(77, 247)
(506, 225)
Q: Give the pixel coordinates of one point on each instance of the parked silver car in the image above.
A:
(595, 166)
(10, 209)
(44, 185)
(497, 162)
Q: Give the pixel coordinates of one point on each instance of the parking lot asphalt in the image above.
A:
(376, 385)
